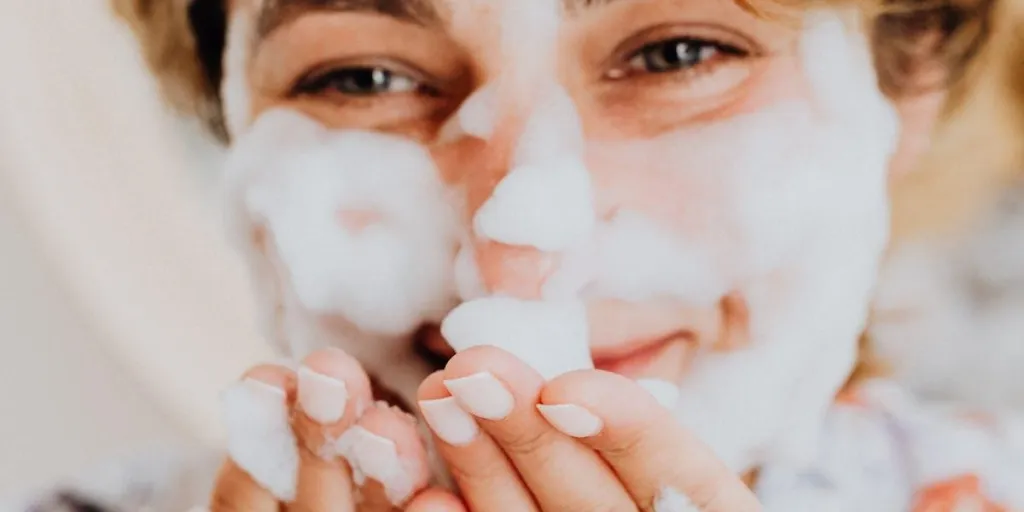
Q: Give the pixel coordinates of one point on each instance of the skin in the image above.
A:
(522, 462)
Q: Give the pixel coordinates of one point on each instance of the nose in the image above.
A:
(528, 195)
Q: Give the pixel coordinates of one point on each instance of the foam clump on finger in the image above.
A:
(260, 437)
(671, 500)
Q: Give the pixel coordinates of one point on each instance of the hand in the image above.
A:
(326, 409)
(588, 440)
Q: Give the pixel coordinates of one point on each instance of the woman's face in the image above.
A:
(697, 174)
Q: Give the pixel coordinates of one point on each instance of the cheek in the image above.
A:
(702, 183)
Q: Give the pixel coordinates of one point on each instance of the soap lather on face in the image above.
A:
(629, 160)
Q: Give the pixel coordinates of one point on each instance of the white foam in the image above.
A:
(671, 500)
(478, 114)
(638, 260)
(260, 438)
(386, 277)
(550, 336)
(550, 206)
(552, 131)
(372, 456)
(468, 281)
(798, 228)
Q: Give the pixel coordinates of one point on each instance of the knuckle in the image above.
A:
(477, 470)
(530, 441)
(628, 442)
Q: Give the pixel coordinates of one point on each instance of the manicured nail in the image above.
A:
(322, 398)
(259, 436)
(376, 457)
(482, 395)
(665, 392)
(452, 424)
(571, 420)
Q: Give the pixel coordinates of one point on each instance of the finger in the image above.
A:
(264, 461)
(235, 491)
(502, 392)
(436, 500)
(348, 439)
(387, 455)
(333, 391)
(658, 460)
(487, 479)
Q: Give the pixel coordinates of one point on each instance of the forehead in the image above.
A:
(274, 13)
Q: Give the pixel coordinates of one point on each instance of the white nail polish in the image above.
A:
(571, 420)
(671, 500)
(259, 436)
(482, 395)
(665, 392)
(376, 457)
(452, 424)
(322, 398)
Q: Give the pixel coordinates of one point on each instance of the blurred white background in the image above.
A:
(122, 311)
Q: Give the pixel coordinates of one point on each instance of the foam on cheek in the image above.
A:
(639, 260)
(768, 403)
(387, 276)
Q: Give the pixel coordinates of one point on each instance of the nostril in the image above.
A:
(356, 220)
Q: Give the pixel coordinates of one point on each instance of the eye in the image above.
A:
(675, 55)
(359, 81)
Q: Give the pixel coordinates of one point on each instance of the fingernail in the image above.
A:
(482, 395)
(372, 456)
(322, 398)
(665, 392)
(452, 424)
(571, 420)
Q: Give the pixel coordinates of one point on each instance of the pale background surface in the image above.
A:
(114, 276)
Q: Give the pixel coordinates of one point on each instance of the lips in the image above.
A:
(653, 339)
(661, 358)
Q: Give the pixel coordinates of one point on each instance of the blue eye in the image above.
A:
(679, 54)
(359, 81)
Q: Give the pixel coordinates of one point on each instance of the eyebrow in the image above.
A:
(422, 12)
(280, 12)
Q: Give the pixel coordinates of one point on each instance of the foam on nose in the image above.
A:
(546, 200)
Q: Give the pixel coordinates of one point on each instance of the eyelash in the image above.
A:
(353, 81)
(706, 53)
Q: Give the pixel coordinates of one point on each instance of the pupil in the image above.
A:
(368, 80)
(673, 55)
